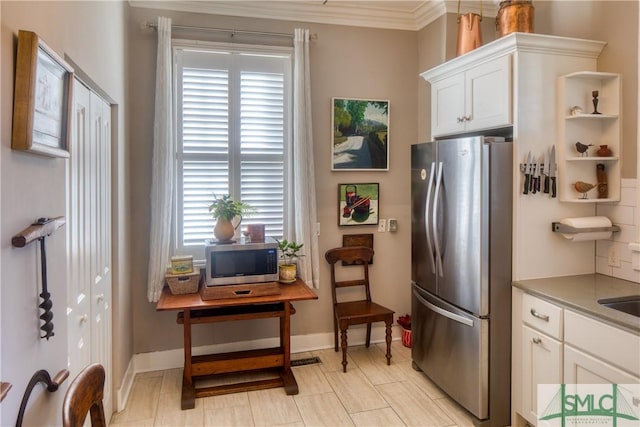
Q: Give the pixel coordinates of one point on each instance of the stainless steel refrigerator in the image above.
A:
(461, 271)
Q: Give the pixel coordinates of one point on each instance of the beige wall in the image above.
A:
(93, 34)
(346, 62)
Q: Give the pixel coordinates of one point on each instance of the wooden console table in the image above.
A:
(193, 310)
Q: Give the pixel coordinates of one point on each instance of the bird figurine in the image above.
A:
(583, 187)
(582, 148)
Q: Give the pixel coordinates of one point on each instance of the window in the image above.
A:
(233, 136)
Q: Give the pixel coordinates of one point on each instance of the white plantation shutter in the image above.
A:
(262, 148)
(233, 137)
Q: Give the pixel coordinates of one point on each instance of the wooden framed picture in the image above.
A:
(357, 240)
(360, 129)
(42, 99)
(358, 204)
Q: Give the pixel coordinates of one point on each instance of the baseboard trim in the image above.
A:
(174, 359)
(125, 389)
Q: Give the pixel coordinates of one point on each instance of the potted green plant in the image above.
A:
(288, 270)
(224, 209)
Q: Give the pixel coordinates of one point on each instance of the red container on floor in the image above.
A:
(406, 337)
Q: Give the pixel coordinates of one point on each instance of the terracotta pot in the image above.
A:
(224, 230)
(604, 151)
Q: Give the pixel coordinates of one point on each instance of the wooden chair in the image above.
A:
(84, 396)
(356, 312)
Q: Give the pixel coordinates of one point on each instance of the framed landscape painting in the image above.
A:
(360, 129)
(358, 204)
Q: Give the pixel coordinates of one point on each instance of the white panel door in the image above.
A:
(488, 94)
(582, 368)
(101, 237)
(541, 364)
(79, 286)
(447, 105)
(89, 235)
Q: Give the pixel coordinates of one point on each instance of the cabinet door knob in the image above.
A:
(537, 340)
(544, 317)
(460, 119)
(83, 319)
(100, 298)
(467, 118)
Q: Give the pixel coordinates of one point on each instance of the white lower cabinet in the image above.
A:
(554, 345)
(582, 368)
(537, 344)
(541, 364)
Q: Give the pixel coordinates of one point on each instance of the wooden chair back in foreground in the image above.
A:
(356, 312)
(85, 396)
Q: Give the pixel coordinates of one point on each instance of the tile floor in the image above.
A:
(369, 394)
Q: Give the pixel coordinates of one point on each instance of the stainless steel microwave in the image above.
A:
(239, 263)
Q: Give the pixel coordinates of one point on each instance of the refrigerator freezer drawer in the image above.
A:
(452, 349)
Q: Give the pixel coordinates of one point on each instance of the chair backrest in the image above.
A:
(357, 255)
(84, 396)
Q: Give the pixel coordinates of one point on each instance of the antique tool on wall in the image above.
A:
(42, 228)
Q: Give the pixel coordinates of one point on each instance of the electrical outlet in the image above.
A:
(382, 226)
(613, 256)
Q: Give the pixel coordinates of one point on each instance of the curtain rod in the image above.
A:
(224, 30)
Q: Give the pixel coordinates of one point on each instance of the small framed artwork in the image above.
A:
(42, 99)
(360, 129)
(358, 204)
(357, 240)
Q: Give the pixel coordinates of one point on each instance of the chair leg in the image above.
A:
(368, 342)
(343, 341)
(388, 339)
(335, 334)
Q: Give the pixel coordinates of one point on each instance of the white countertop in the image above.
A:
(582, 293)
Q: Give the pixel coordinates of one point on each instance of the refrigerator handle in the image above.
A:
(434, 219)
(426, 216)
(453, 316)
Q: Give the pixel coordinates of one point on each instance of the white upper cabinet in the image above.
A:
(476, 99)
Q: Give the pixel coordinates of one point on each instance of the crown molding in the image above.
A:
(523, 42)
(339, 12)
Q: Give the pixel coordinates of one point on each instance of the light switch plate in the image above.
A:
(393, 225)
(382, 226)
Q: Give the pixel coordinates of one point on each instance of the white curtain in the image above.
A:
(302, 197)
(163, 166)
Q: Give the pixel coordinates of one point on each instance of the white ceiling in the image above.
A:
(398, 15)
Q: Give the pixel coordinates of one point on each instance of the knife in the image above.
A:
(534, 174)
(553, 168)
(527, 173)
(538, 176)
(545, 171)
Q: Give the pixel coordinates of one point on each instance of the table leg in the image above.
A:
(188, 400)
(288, 380)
